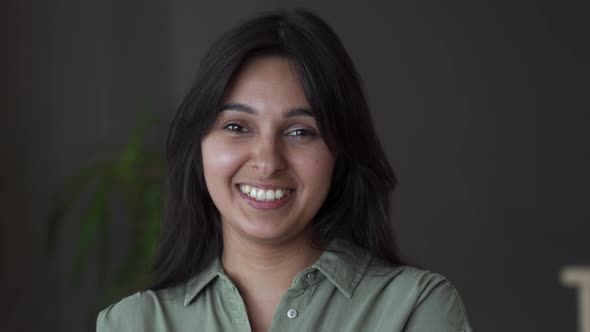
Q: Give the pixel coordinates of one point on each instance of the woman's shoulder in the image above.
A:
(428, 297)
(138, 311)
(405, 277)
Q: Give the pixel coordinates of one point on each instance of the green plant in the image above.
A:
(133, 178)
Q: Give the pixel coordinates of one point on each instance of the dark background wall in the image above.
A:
(482, 107)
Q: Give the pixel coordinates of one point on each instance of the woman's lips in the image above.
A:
(266, 204)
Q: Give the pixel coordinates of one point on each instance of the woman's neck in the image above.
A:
(265, 271)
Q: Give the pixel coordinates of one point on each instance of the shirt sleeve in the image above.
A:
(126, 315)
(112, 319)
(439, 309)
(103, 322)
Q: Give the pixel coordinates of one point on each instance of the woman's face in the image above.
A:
(266, 166)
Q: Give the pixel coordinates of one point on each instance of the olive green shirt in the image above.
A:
(345, 290)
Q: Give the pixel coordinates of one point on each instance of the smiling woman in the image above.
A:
(264, 153)
(278, 213)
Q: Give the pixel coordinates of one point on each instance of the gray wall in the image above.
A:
(481, 107)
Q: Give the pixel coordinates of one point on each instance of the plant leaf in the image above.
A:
(133, 150)
(104, 250)
(73, 189)
(95, 215)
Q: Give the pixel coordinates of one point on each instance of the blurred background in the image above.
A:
(482, 107)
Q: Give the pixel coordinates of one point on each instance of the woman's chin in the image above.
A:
(269, 232)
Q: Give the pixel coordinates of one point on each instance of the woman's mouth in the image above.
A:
(265, 198)
(263, 195)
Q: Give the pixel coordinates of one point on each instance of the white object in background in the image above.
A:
(579, 277)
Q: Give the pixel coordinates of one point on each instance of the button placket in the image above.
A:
(237, 305)
(291, 309)
(293, 305)
(292, 313)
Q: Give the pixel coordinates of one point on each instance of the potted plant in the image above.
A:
(132, 179)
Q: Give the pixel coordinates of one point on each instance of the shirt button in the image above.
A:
(292, 313)
(311, 276)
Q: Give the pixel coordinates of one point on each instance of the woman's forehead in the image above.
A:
(267, 82)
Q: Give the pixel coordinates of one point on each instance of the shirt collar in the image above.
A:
(197, 283)
(343, 263)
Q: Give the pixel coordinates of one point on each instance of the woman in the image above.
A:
(279, 200)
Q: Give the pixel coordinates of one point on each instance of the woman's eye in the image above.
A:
(301, 132)
(234, 127)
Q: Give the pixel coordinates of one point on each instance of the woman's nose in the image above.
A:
(267, 157)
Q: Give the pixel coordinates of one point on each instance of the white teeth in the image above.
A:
(279, 194)
(263, 195)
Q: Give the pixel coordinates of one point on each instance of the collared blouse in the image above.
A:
(345, 290)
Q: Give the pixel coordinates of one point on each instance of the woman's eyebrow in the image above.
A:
(237, 108)
(299, 111)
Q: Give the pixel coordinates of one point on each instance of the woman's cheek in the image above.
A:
(315, 164)
(223, 159)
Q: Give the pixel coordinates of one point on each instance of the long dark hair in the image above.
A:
(357, 206)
